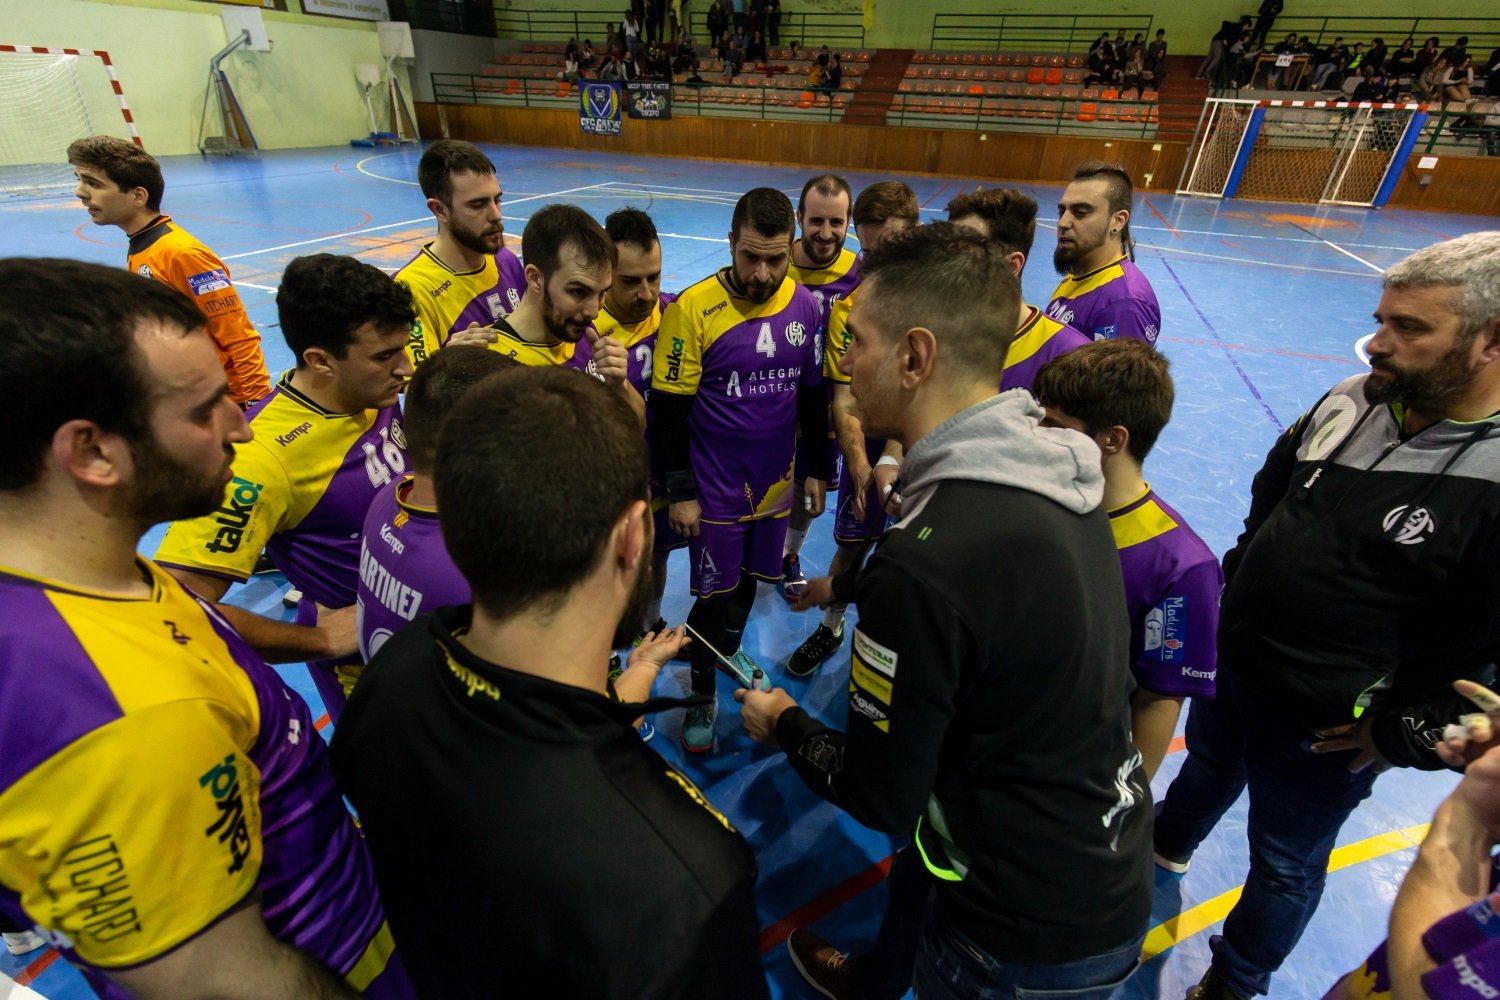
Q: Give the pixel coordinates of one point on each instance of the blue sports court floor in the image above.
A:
(1264, 306)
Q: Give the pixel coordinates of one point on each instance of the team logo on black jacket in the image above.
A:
(1409, 527)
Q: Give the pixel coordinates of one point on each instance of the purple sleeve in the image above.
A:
(1466, 946)
(1176, 652)
(1137, 319)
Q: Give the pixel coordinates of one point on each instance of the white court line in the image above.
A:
(247, 284)
(669, 187)
(1346, 253)
(11, 990)
(391, 225)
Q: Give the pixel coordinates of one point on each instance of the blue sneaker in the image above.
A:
(646, 731)
(793, 581)
(748, 672)
(698, 727)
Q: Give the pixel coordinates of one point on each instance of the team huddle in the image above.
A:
(466, 581)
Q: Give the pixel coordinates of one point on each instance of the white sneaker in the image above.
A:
(1167, 864)
(292, 597)
(24, 942)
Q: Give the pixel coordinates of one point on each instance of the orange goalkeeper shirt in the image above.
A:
(171, 255)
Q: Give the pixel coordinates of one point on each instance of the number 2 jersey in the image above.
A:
(744, 362)
(154, 773)
(301, 490)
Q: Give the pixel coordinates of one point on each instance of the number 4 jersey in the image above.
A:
(745, 362)
(300, 491)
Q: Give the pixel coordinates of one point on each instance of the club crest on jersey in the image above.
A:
(1408, 527)
(145, 271)
(796, 334)
(398, 435)
(234, 517)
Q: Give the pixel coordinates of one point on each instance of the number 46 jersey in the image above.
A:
(745, 362)
(300, 491)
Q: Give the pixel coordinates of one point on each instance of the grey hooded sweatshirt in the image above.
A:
(988, 705)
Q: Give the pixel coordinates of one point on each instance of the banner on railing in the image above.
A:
(599, 107)
(648, 99)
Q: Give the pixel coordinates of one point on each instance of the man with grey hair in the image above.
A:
(1366, 582)
(1003, 747)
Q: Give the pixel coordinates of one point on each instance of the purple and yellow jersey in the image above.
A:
(404, 568)
(1112, 301)
(1172, 585)
(1464, 947)
(828, 284)
(1037, 342)
(639, 339)
(579, 356)
(154, 774)
(745, 362)
(300, 491)
(448, 301)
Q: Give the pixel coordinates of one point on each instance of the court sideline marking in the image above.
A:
(1346, 253)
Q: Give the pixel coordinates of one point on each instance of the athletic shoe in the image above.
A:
(1213, 987)
(291, 598)
(23, 942)
(748, 669)
(616, 668)
(816, 648)
(826, 969)
(265, 565)
(1166, 864)
(791, 576)
(646, 731)
(698, 727)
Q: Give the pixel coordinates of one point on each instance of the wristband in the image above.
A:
(887, 460)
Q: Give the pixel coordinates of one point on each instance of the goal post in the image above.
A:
(1323, 152)
(51, 97)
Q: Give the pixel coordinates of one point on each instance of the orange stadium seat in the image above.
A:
(1035, 75)
(1087, 111)
(1054, 76)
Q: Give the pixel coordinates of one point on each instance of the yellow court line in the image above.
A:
(1175, 930)
(360, 166)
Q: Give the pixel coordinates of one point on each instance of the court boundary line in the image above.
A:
(1330, 243)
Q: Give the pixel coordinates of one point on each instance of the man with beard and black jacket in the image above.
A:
(1367, 580)
(988, 707)
(528, 840)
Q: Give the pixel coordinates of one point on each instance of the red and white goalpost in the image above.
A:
(52, 96)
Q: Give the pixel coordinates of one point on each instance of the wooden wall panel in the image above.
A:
(1459, 184)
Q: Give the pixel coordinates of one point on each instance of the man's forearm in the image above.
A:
(1451, 871)
(276, 641)
(848, 429)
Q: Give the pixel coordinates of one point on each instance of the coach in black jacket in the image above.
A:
(1366, 581)
(989, 705)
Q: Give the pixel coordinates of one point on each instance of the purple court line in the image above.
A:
(1270, 414)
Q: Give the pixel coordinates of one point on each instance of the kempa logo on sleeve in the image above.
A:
(234, 517)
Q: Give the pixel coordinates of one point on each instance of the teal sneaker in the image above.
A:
(748, 672)
(698, 727)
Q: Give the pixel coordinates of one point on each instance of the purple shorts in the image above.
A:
(724, 550)
(835, 464)
(851, 530)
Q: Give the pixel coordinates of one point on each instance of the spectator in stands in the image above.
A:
(1375, 55)
(687, 51)
(569, 71)
(631, 28)
(773, 20)
(793, 50)
(1120, 46)
(1426, 57)
(1356, 59)
(755, 50)
(1235, 59)
(1291, 45)
(1372, 86)
(718, 20)
(1492, 75)
(615, 67)
(586, 57)
(815, 74)
(1156, 59)
(658, 64)
(734, 60)
(1458, 81)
(1330, 61)
(737, 8)
(1458, 51)
(1430, 80)
(656, 16)
(1400, 62)
(1103, 67)
(833, 77)
(1265, 17)
(1218, 46)
(1133, 75)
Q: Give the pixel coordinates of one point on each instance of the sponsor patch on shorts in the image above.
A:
(208, 282)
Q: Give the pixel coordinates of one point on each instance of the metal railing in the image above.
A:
(1034, 32)
(1458, 133)
(1483, 32)
(834, 30)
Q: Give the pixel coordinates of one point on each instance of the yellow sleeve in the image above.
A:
(229, 541)
(427, 334)
(677, 365)
(139, 835)
(836, 344)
